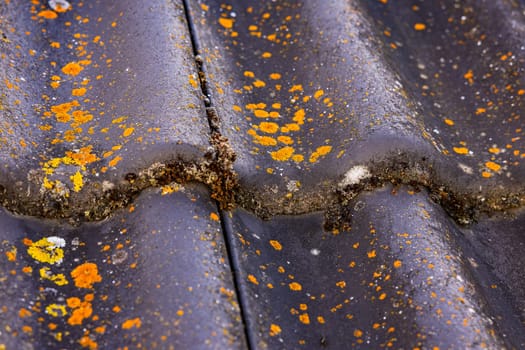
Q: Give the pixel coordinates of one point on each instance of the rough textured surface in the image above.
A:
(395, 278)
(358, 163)
(163, 282)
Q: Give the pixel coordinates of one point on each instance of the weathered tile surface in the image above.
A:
(94, 93)
(396, 277)
(155, 276)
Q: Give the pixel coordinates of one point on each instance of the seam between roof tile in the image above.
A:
(222, 148)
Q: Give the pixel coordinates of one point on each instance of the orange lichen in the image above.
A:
(87, 342)
(115, 161)
(319, 152)
(274, 330)
(341, 284)
(287, 140)
(47, 14)
(449, 121)
(135, 322)
(128, 131)
(358, 333)
(304, 318)
(72, 68)
(469, 75)
(275, 244)
(85, 275)
(461, 150)
(253, 279)
(275, 76)
(79, 92)
(420, 26)
(226, 22)
(214, 216)
(298, 116)
(283, 154)
(493, 166)
(296, 287)
(269, 127)
(371, 254)
(397, 264)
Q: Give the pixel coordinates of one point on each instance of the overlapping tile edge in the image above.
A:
(460, 205)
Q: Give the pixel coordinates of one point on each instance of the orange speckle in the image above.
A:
(494, 150)
(116, 309)
(469, 75)
(47, 14)
(226, 22)
(304, 318)
(397, 264)
(296, 287)
(461, 150)
(341, 284)
(287, 140)
(115, 161)
(319, 152)
(260, 113)
(27, 329)
(135, 322)
(100, 329)
(73, 302)
(214, 216)
(55, 44)
(85, 275)
(27, 270)
(358, 333)
(382, 296)
(275, 244)
(449, 121)
(321, 319)
(87, 342)
(371, 254)
(493, 166)
(266, 55)
(420, 26)
(79, 92)
(23, 313)
(274, 330)
(318, 94)
(275, 76)
(282, 154)
(72, 68)
(253, 279)
(521, 92)
(128, 131)
(269, 127)
(480, 110)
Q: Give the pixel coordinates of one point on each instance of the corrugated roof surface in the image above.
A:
(262, 174)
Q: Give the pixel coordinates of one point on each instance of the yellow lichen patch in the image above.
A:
(79, 92)
(493, 166)
(420, 26)
(85, 275)
(226, 22)
(283, 154)
(249, 74)
(47, 14)
(296, 287)
(269, 127)
(318, 94)
(77, 180)
(297, 158)
(319, 152)
(275, 244)
(486, 174)
(72, 68)
(461, 150)
(56, 310)
(274, 330)
(265, 140)
(58, 279)
(135, 322)
(47, 250)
